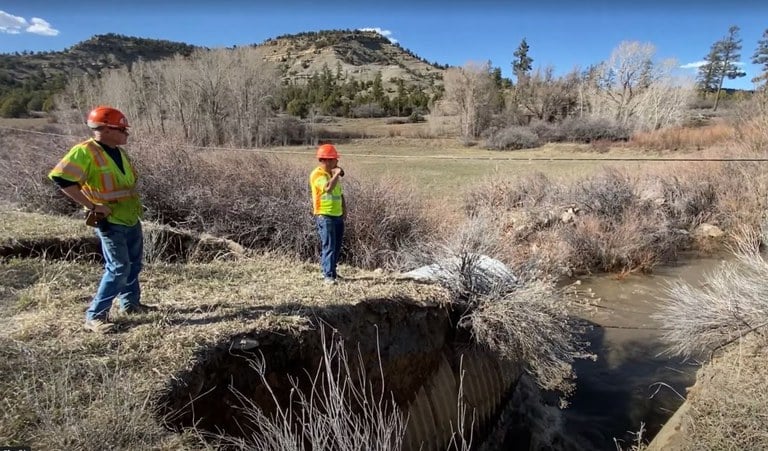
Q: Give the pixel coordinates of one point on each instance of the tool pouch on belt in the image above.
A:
(92, 219)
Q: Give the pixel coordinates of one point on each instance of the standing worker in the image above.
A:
(98, 175)
(328, 207)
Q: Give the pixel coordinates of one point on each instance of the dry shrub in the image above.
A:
(607, 194)
(503, 194)
(638, 241)
(588, 129)
(683, 138)
(689, 200)
(264, 203)
(503, 320)
(731, 304)
(752, 124)
(500, 308)
(512, 137)
(728, 312)
(258, 201)
(614, 220)
(25, 161)
(255, 200)
(384, 218)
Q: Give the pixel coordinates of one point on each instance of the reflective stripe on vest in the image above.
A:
(107, 178)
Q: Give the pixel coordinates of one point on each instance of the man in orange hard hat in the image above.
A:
(328, 208)
(98, 175)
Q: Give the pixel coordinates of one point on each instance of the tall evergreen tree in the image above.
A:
(728, 54)
(377, 89)
(521, 65)
(761, 58)
(706, 79)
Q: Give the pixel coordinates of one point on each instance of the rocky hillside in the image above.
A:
(359, 54)
(29, 81)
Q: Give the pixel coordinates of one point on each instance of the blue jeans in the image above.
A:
(331, 230)
(122, 247)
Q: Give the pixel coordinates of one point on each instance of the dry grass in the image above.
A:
(752, 124)
(684, 138)
(25, 123)
(728, 402)
(31, 226)
(71, 388)
(342, 410)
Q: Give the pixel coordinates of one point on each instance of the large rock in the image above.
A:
(706, 230)
(446, 269)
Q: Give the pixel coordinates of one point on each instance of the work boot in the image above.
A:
(138, 309)
(99, 326)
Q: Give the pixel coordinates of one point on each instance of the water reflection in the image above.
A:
(621, 390)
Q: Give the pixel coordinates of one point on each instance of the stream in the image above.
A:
(630, 383)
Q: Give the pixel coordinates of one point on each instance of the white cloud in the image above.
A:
(41, 27)
(14, 25)
(694, 65)
(698, 64)
(11, 24)
(386, 33)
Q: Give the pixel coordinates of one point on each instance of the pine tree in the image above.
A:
(521, 65)
(761, 58)
(377, 89)
(706, 79)
(729, 49)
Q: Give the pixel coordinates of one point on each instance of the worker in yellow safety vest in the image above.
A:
(328, 208)
(98, 175)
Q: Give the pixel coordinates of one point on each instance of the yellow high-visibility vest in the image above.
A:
(328, 204)
(101, 181)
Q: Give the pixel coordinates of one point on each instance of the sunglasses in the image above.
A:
(119, 129)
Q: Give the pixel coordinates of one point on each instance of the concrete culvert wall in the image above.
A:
(421, 360)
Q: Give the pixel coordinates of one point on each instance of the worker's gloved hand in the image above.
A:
(93, 218)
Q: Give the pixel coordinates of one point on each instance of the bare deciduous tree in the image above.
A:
(472, 89)
(218, 97)
(547, 97)
(635, 91)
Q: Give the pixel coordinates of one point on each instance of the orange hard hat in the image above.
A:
(105, 116)
(327, 152)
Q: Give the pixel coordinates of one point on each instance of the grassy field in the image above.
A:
(24, 123)
(435, 165)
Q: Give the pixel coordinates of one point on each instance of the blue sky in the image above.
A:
(561, 33)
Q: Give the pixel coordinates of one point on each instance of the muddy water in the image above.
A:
(621, 390)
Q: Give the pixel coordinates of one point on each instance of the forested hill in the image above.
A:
(29, 79)
(91, 56)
